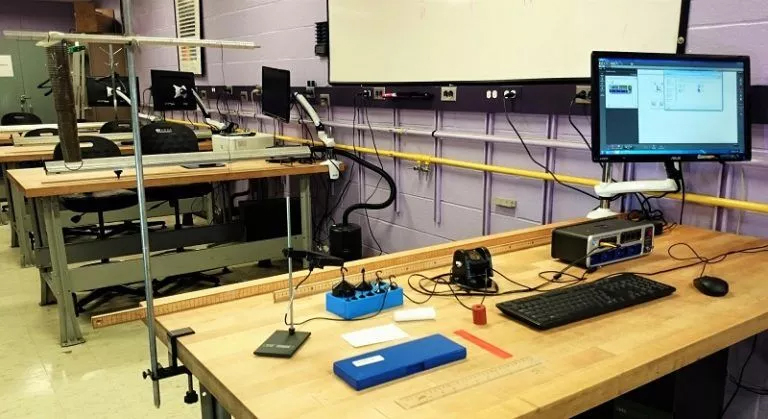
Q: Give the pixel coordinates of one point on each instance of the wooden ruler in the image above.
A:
(465, 383)
(412, 267)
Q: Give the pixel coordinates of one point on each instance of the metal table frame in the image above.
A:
(60, 277)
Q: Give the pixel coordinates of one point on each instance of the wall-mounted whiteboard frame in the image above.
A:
(439, 42)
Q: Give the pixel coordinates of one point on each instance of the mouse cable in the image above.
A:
(741, 376)
(530, 156)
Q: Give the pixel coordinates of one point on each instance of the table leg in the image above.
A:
(69, 329)
(306, 211)
(4, 167)
(47, 297)
(18, 224)
(210, 407)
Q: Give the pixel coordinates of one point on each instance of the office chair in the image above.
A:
(115, 126)
(41, 131)
(167, 138)
(20, 118)
(99, 202)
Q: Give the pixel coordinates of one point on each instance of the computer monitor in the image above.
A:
(98, 90)
(172, 90)
(276, 93)
(667, 107)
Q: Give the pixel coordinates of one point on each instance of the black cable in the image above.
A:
(305, 278)
(741, 376)
(377, 170)
(530, 156)
(570, 119)
(376, 188)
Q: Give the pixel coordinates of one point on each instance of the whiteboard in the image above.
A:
(400, 41)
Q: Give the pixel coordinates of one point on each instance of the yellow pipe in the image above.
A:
(708, 200)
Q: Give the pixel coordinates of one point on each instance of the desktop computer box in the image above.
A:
(602, 242)
(242, 142)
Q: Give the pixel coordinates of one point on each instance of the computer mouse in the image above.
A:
(711, 286)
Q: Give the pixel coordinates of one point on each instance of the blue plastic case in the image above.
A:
(363, 303)
(393, 362)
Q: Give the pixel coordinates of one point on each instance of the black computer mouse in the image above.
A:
(711, 286)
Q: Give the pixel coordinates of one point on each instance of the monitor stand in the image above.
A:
(608, 188)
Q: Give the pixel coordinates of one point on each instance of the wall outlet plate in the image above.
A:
(448, 94)
(505, 203)
(584, 88)
(378, 93)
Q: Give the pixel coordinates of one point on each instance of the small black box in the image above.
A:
(265, 218)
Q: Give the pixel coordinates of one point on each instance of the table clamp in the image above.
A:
(175, 369)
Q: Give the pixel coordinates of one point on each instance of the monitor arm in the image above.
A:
(118, 92)
(328, 142)
(225, 127)
(608, 189)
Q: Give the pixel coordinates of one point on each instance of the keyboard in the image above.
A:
(579, 302)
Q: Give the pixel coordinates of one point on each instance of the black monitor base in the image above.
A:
(282, 344)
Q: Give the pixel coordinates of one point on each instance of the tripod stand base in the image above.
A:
(282, 344)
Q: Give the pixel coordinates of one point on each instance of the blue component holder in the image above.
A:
(382, 297)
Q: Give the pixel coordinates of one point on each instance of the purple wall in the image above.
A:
(285, 30)
(36, 16)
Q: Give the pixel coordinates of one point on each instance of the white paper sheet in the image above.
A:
(374, 335)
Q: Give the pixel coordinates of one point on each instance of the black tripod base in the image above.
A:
(282, 344)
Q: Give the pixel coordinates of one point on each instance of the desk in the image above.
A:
(54, 257)
(6, 139)
(13, 157)
(582, 364)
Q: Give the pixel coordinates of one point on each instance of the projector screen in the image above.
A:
(429, 41)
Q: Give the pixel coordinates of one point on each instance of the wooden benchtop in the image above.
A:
(45, 152)
(36, 183)
(583, 364)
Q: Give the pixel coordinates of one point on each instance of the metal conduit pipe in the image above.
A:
(708, 200)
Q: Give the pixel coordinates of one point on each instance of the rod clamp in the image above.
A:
(175, 369)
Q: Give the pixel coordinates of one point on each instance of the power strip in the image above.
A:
(464, 383)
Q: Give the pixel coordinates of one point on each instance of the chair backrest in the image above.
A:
(20, 118)
(41, 131)
(116, 126)
(99, 147)
(167, 138)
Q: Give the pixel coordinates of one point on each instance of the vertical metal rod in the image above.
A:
(549, 186)
(287, 193)
(112, 78)
(438, 195)
(487, 159)
(607, 175)
(131, 64)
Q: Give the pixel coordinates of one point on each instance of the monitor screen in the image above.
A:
(662, 107)
(276, 93)
(172, 90)
(98, 90)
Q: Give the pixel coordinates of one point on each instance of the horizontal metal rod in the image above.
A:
(131, 244)
(81, 126)
(127, 162)
(54, 36)
(114, 136)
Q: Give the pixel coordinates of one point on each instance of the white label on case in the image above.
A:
(368, 361)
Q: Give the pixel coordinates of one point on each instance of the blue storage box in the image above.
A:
(387, 364)
(364, 302)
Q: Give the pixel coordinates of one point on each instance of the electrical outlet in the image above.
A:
(505, 203)
(587, 90)
(378, 93)
(203, 94)
(324, 99)
(243, 95)
(366, 93)
(228, 90)
(448, 94)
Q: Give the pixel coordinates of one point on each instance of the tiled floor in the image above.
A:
(98, 379)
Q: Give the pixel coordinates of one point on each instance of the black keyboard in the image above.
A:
(579, 302)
